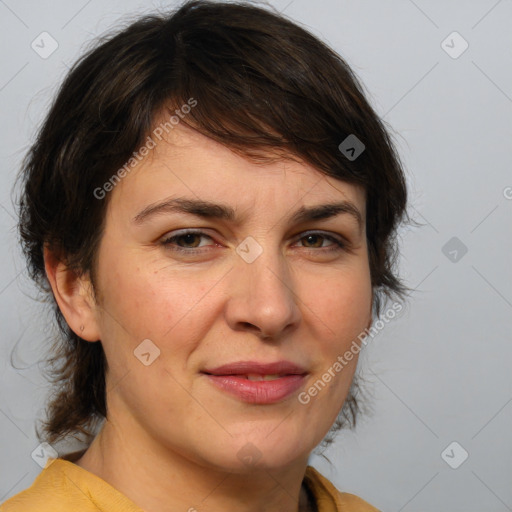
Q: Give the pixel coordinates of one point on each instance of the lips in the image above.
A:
(258, 383)
(253, 368)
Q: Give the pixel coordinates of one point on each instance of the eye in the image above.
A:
(317, 238)
(186, 241)
(189, 241)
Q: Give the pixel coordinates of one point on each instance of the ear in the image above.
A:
(74, 295)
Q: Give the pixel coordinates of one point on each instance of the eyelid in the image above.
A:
(326, 234)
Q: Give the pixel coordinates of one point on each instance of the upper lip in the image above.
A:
(257, 368)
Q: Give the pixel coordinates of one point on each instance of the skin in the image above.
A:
(171, 439)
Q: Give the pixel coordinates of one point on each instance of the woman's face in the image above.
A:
(257, 281)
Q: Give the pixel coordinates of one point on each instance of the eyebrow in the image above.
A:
(210, 210)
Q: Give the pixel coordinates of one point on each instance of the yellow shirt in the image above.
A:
(65, 487)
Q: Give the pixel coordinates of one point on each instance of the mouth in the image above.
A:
(254, 376)
(255, 369)
(257, 377)
(258, 383)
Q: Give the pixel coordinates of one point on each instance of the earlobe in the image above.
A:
(74, 295)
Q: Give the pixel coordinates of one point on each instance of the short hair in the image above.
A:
(261, 84)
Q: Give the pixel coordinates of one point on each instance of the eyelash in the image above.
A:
(339, 245)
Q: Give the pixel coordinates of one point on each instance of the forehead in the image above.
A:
(187, 163)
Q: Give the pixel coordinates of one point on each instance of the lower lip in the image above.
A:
(258, 391)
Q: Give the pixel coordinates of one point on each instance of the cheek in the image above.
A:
(343, 304)
(341, 311)
(154, 301)
(169, 308)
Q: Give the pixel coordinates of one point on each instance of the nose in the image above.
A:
(262, 299)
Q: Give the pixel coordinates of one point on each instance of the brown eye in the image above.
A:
(186, 241)
(316, 241)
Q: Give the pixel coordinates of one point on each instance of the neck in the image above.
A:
(156, 479)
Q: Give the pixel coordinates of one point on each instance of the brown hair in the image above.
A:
(262, 84)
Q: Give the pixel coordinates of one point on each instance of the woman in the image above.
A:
(211, 204)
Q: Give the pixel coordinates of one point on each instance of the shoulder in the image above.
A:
(51, 490)
(63, 486)
(330, 499)
(354, 503)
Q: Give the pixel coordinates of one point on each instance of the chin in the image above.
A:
(251, 453)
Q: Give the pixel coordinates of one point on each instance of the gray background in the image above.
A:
(440, 371)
